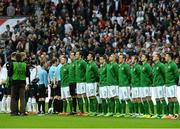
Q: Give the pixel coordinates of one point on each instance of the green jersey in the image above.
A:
(64, 75)
(172, 75)
(72, 75)
(112, 74)
(158, 74)
(146, 75)
(92, 72)
(19, 71)
(124, 74)
(103, 75)
(136, 75)
(80, 71)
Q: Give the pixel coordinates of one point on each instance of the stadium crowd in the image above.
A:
(55, 29)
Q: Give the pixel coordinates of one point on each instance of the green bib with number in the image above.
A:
(19, 71)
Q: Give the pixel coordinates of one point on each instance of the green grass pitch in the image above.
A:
(54, 121)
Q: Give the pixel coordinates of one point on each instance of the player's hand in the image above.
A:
(54, 86)
(27, 87)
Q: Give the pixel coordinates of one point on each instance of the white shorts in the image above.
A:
(124, 93)
(91, 89)
(103, 92)
(171, 91)
(159, 92)
(65, 92)
(112, 91)
(81, 88)
(136, 92)
(145, 91)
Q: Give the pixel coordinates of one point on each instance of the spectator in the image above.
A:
(10, 10)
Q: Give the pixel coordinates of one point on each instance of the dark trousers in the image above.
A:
(17, 92)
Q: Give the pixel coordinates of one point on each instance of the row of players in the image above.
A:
(107, 90)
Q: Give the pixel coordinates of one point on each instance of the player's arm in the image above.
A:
(163, 71)
(176, 73)
(128, 72)
(45, 75)
(116, 67)
(95, 69)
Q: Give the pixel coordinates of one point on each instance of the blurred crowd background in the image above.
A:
(55, 27)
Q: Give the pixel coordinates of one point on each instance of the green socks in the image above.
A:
(151, 105)
(141, 107)
(171, 108)
(65, 105)
(118, 109)
(177, 107)
(123, 106)
(104, 106)
(165, 107)
(146, 107)
(70, 105)
(86, 104)
(158, 107)
(130, 106)
(80, 104)
(112, 105)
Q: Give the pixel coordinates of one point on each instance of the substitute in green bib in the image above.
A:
(80, 73)
(103, 92)
(18, 72)
(92, 78)
(158, 85)
(146, 85)
(65, 92)
(112, 81)
(124, 79)
(136, 85)
(172, 78)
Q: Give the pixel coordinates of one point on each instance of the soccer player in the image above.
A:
(103, 92)
(7, 83)
(92, 77)
(53, 86)
(146, 83)
(124, 78)
(136, 84)
(58, 102)
(172, 78)
(80, 72)
(112, 81)
(65, 91)
(31, 90)
(72, 81)
(158, 83)
(42, 86)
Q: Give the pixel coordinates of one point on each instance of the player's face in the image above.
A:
(111, 58)
(89, 57)
(143, 58)
(45, 65)
(155, 57)
(167, 58)
(101, 60)
(78, 55)
(121, 59)
(133, 60)
(63, 60)
(72, 56)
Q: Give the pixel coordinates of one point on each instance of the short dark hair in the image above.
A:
(170, 54)
(124, 56)
(18, 57)
(146, 55)
(91, 53)
(54, 61)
